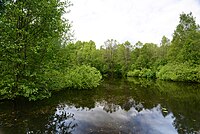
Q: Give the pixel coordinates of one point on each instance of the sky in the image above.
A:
(128, 20)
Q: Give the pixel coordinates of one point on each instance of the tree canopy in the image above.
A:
(38, 57)
(32, 34)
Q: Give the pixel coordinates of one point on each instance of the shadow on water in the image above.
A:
(117, 106)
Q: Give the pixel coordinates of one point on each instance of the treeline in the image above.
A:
(176, 60)
(37, 56)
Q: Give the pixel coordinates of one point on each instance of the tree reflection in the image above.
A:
(132, 103)
(61, 122)
(182, 99)
(116, 106)
(108, 107)
(111, 107)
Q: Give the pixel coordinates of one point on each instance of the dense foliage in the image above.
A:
(179, 72)
(83, 77)
(32, 34)
(37, 56)
(176, 60)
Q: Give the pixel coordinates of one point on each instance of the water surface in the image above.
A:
(130, 106)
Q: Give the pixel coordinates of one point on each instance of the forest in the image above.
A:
(38, 55)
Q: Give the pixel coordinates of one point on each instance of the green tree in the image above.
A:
(144, 59)
(86, 53)
(162, 52)
(123, 58)
(183, 55)
(109, 55)
(135, 54)
(30, 33)
(147, 56)
(165, 41)
(185, 38)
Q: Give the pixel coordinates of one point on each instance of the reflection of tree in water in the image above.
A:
(111, 107)
(132, 103)
(108, 107)
(182, 99)
(61, 122)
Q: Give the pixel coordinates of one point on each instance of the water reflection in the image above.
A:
(61, 122)
(117, 106)
(111, 118)
(152, 121)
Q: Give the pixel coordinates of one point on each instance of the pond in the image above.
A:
(117, 106)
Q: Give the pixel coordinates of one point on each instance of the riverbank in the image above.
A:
(170, 72)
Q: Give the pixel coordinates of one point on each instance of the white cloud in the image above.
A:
(132, 20)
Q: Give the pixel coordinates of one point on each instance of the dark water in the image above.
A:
(136, 106)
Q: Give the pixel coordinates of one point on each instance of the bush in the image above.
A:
(179, 72)
(134, 73)
(146, 73)
(83, 77)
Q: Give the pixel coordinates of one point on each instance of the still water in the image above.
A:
(132, 106)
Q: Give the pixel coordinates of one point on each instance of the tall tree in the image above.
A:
(86, 53)
(162, 51)
(109, 55)
(30, 33)
(183, 39)
(123, 57)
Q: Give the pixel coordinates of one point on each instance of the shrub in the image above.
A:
(83, 77)
(134, 73)
(146, 73)
(179, 72)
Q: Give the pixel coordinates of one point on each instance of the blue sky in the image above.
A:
(132, 20)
